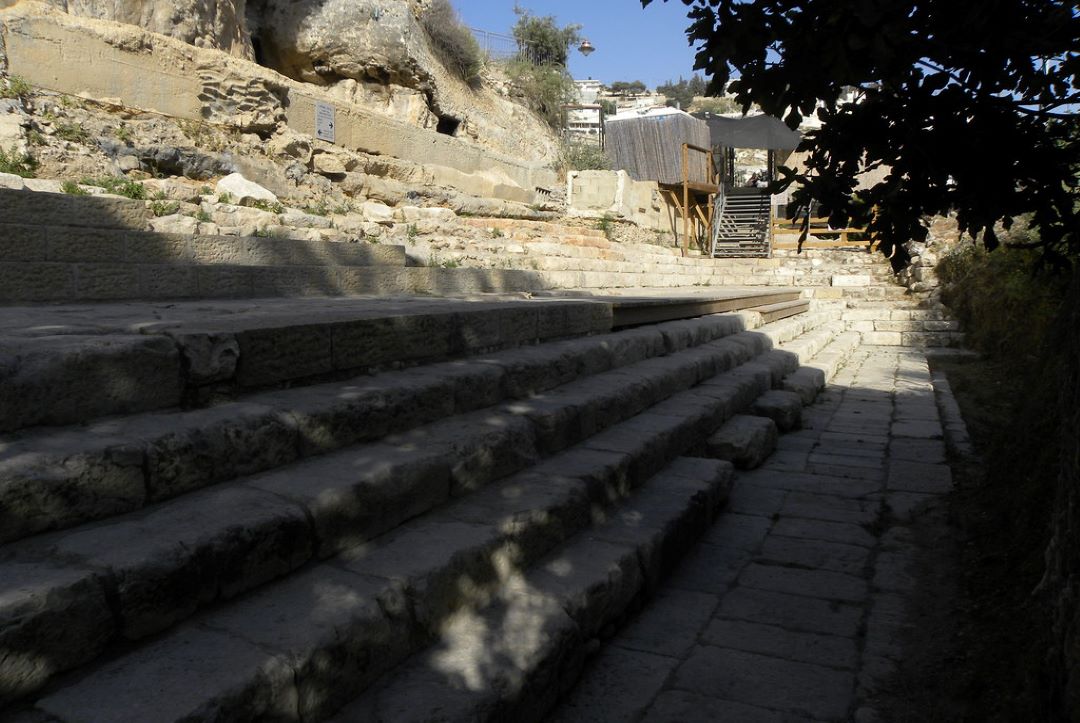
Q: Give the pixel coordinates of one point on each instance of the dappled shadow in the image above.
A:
(336, 506)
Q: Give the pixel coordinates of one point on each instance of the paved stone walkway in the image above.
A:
(790, 607)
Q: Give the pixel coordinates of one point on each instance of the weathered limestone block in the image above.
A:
(426, 562)
(527, 645)
(375, 188)
(595, 580)
(532, 512)
(806, 382)
(355, 497)
(480, 446)
(243, 191)
(213, 544)
(250, 103)
(782, 407)
(745, 440)
(329, 165)
(176, 223)
(325, 41)
(195, 673)
(12, 132)
(852, 280)
(378, 212)
(221, 27)
(70, 379)
(51, 619)
(328, 626)
(214, 444)
(11, 181)
(40, 492)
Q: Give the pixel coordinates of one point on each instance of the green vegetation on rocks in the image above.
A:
(20, 164)
(582, 156)
(118, 186)
(453, 42)
(15, 87)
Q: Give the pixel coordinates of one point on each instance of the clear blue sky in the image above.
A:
(632, 43)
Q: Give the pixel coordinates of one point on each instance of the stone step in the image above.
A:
(71, 364)
(53, 479)
(553, 256)
(24, 282)
(915, 339)
(512, 659)
(891, 312)
(744, 440)
(303, 647)
(215, 544)
(58, 282)
(783, 309)
(146, 572)
(50, 244)
(615, 694)
(437, 684)
(904, 325)
(829, 359)
(539, 227)
(37, 282)
(60, 209)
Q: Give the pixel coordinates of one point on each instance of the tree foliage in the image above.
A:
(453, 42)
(717, 106)
(970, 106)
(542, 39)
(544, 88)
(539, 73)
(624, 87)
(681, 93)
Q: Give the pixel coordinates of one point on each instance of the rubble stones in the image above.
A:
(244, 191)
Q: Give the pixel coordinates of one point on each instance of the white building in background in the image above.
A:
(585, 122)
(588, 90)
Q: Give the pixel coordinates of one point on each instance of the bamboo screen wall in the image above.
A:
(649, 147)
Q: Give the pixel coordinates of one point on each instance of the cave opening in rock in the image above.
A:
(257, 51)
(448, 125)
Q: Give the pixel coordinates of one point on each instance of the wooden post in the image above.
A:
(686, 198)
(713, 178)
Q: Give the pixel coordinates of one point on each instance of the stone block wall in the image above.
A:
(133, 68)
(596, 194)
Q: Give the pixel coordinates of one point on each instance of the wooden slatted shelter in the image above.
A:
(648, 146)
(673, 149)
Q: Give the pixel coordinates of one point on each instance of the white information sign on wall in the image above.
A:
(324, 122)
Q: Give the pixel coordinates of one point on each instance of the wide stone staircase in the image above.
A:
(295, 477)
(439, 527)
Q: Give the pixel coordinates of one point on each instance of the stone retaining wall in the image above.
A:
(141, 70)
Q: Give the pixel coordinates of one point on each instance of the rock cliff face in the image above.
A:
(371, 52)
(216, 24)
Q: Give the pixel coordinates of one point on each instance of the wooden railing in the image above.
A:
(686, 197)
(820, 235)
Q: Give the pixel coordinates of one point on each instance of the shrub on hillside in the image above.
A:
(545, 89)
(582, 156)
(1025, 318)
(1006, 300)
(453, 42)
(20, 164)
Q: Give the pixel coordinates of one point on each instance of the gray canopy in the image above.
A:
(756, 131)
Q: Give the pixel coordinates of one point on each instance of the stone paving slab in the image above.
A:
(795, 600)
